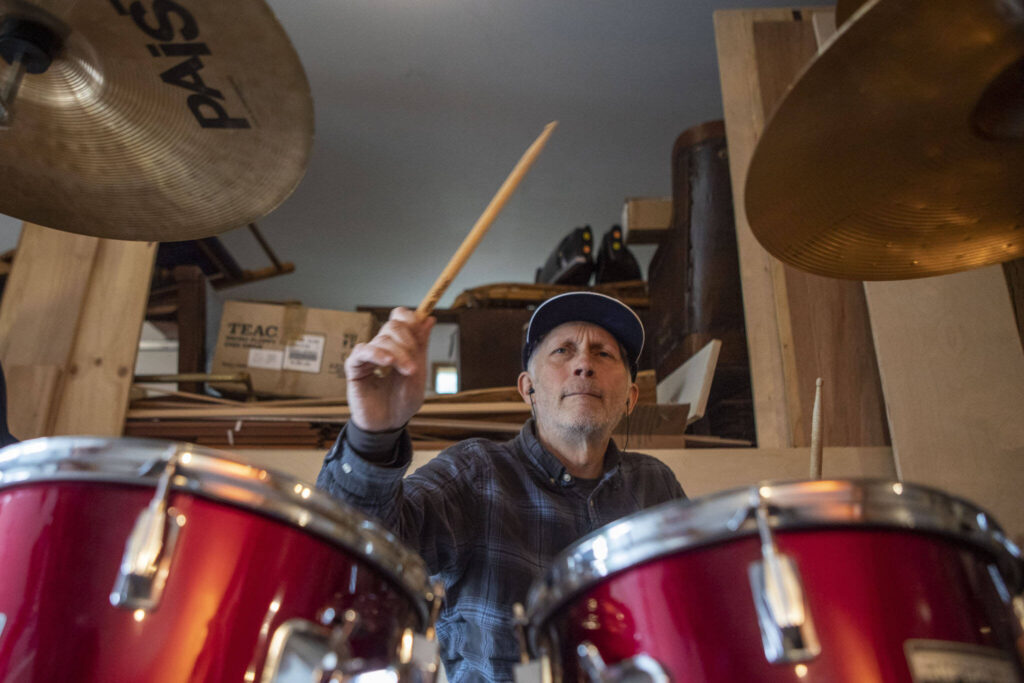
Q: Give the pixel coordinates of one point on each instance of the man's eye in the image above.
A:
(560, 349)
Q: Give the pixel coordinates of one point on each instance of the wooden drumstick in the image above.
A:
(816, 440)
(484, 222)
(480, 228)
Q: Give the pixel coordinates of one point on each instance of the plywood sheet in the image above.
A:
(69, 330)
(30, 393)
(953, 374)
(43, 296)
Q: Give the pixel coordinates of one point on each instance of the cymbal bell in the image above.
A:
(896, 154)
(156, 120)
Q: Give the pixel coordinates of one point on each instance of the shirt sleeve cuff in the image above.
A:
(359, 478)
(376, 447)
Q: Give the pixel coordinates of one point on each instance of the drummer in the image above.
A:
(488, 517)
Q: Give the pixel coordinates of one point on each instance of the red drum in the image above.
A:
(837, 581)
(126, 560)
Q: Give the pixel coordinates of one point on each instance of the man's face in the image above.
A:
(580, 380)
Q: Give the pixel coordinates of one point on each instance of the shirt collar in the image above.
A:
(551, 466)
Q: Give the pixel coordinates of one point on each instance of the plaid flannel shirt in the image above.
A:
(488, 518)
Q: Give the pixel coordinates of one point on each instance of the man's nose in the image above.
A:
(583, 368)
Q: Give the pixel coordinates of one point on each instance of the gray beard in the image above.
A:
(586, 427)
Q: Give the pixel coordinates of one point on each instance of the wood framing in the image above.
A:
(799, 326)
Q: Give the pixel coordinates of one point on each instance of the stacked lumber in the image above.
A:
(496, 413)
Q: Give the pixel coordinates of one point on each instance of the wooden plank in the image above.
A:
(42, 301)
(245, 411)
(799, 326)
(28, 419)
(94, 394)
(191, 318)
(645, 220)
(43, 296)
(782, 50)
(187, 397)
(744, 120)
(953, 373)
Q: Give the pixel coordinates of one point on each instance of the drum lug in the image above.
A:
(303, 650)
(147, 554)
(641, 668)
(527, 671)
(787, 630)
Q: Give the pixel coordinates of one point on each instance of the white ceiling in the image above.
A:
(423, 107)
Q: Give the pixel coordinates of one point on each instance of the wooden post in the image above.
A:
(191, 317)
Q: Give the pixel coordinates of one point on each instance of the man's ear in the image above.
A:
(632, 397)
(525, 386)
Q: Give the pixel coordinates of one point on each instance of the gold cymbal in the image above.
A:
(897, 152)
(157, 120)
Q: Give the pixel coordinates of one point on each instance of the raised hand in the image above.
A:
(385, 401)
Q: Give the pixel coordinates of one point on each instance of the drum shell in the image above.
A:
(235, 577)
(868, 591)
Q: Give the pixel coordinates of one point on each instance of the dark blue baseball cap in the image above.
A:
(590, 307)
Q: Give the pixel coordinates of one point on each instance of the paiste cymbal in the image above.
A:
(158, 120)
(898, 152)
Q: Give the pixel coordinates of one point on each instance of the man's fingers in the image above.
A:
(363, 359)
(381, 352)
(400, 344)
(423, 330)
(401, 333)
(403, 314)
(404, 358)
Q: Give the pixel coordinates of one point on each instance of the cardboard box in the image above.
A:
(288, 350)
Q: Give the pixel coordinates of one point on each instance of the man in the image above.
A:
(489, 517)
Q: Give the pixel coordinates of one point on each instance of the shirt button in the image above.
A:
(346, 468)
(566, 477)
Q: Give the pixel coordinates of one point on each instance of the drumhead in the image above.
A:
(220, 476)
(683, 525)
